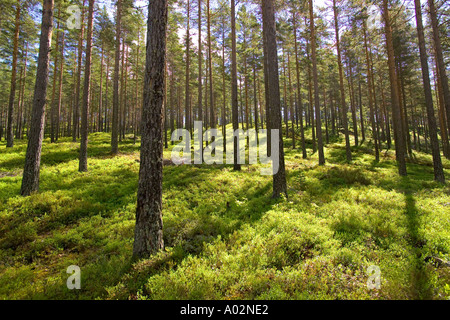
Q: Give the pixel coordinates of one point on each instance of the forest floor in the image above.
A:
(225, 237)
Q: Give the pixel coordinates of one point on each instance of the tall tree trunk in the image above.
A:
(291, 104)
(60, 81)
(76, 108)
(187, 90)
(310, 98)
(352, 101)
(12, 92)
(55, 73)
(211, 87)
(396, 116)
(440, 59)
(299, 94)
(136, 107)
(234, 93)
(224, 91)
(441, 113)
(100, 95)
(316, 85)
(121, 94)
(20, 117)
(273, 96)
(30, 181)
(370, 93)
(86, 92)
(106, 96)
(148, 234)
(200, 74)
(115, 109)
(386, 114)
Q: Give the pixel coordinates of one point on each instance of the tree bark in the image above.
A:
(370, 93)
(437, 163)
(148, 236)
(76, 108)
(115, 109)
(12, 92)
(86, 92)
(440, 60)
(30, 181)
(396, 116)
(273, 101)
(187, 87)
(299, 93)
(316, 85)
(234, 93)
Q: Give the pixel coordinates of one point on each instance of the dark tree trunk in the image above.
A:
(20, 117)
(396, 115)
(234, 93)
(12, 92)
(115, 109)
(437, 163)
(273, 101)
(299, 94)
(100, 93)
(440, 60)
(58, 107)
(76, 108)
(30, 181)
(148, 236)
(187, 100)
(316, 85)
(86, 92)
(370, 94)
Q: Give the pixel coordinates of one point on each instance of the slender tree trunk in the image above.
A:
(398, 133)
(12, 92)
(60, 81)
(316, 85)
(100, 95)
(106, 118)
(310, 99)
(30, 181)
(115, 109)
(352, 102)
(20, 117)
(234, 93)
(325, 113)
(299, 94)
(187, 90)
(255, 99)
(76, 109)
(121, 94)
(370, 93)
(441, 112)
(54, 103)
(86, 91)
(440, 59)
(200, 74)
(172, 100)
(211, 86)
(224, 91)
(386, 114)
(273, 101)
(291, 102)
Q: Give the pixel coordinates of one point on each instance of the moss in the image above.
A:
(225, 237)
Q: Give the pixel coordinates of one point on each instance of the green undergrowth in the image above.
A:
(225, 237)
